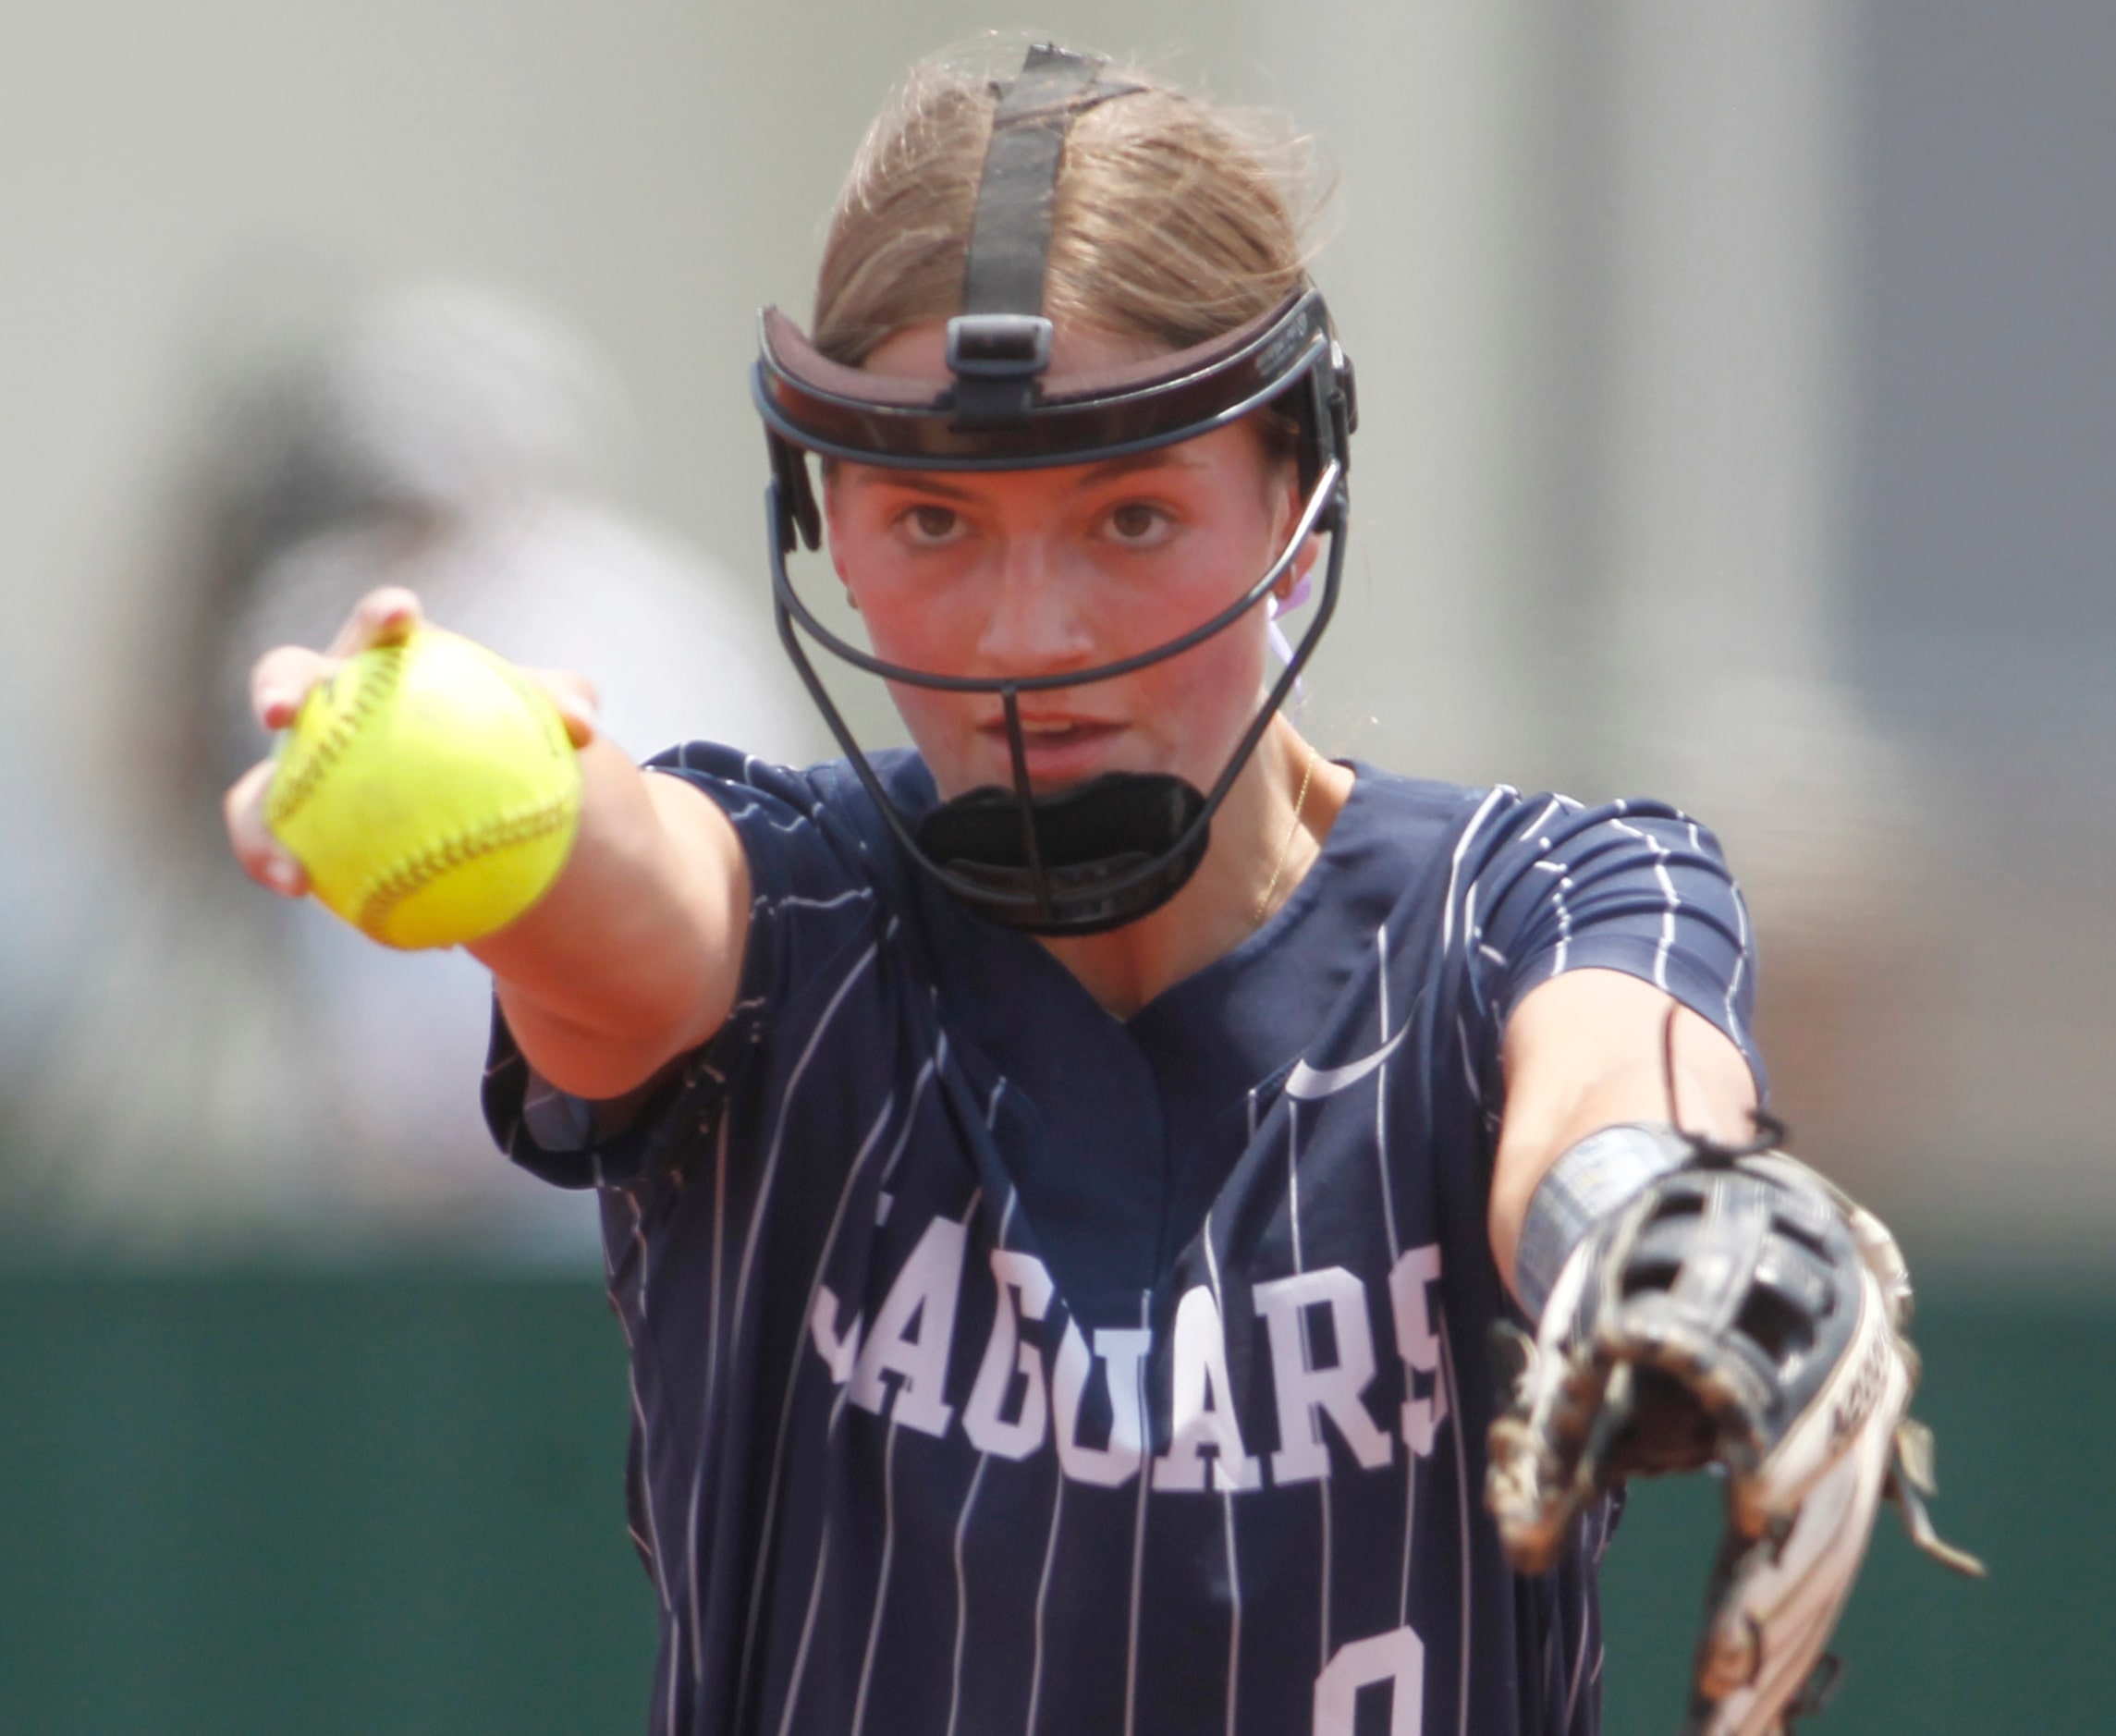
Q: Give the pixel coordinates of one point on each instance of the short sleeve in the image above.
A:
(816, 893)
(1635, 886)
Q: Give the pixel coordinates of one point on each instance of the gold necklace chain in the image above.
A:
(1279, 868)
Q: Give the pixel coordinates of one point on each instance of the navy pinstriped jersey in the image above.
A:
(1002, 1366)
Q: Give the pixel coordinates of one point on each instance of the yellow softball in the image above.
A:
(430, 791)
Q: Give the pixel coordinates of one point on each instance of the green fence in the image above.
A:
(309, 1506)
(385, 1504)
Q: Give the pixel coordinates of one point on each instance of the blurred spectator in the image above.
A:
(193, 1068)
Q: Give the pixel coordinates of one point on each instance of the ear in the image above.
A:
(1291, 501)
(1287, 500)
(1295, 576)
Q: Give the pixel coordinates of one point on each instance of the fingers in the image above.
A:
(264, 858)
(385, 616)
(576, 699)
(280, 680)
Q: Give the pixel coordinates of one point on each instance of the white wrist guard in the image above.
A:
(1589, 1182)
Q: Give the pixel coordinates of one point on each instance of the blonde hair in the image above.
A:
(1175, 219)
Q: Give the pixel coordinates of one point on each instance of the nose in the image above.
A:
(1038, 620)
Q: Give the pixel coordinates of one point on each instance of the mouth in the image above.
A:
(1057, 748)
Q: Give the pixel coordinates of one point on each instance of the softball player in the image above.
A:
(1059, 1182)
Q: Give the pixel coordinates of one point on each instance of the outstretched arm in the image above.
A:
(1700, 1305)
(634, 954)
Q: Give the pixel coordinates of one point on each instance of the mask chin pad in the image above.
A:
(1090, 837)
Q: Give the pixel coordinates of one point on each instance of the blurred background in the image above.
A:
(1739, 408)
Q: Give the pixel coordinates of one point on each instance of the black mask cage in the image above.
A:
(1098, 854)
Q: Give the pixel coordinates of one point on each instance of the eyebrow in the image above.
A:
(1157, 459)
(930, 483)
(920, 482)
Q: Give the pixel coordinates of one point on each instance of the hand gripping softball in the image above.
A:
(430, 791)
(1743, 1311)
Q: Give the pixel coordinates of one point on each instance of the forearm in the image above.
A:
(635, 953)
(1588, 1051)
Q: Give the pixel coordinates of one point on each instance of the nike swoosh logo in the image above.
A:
(1309, 1082)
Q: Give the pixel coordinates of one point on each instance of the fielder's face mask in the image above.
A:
(1098, 854)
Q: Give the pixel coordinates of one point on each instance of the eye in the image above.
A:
(1139, 524)
(931, 526)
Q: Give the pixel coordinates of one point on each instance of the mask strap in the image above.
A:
(1018, 749)
(1001, 342)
